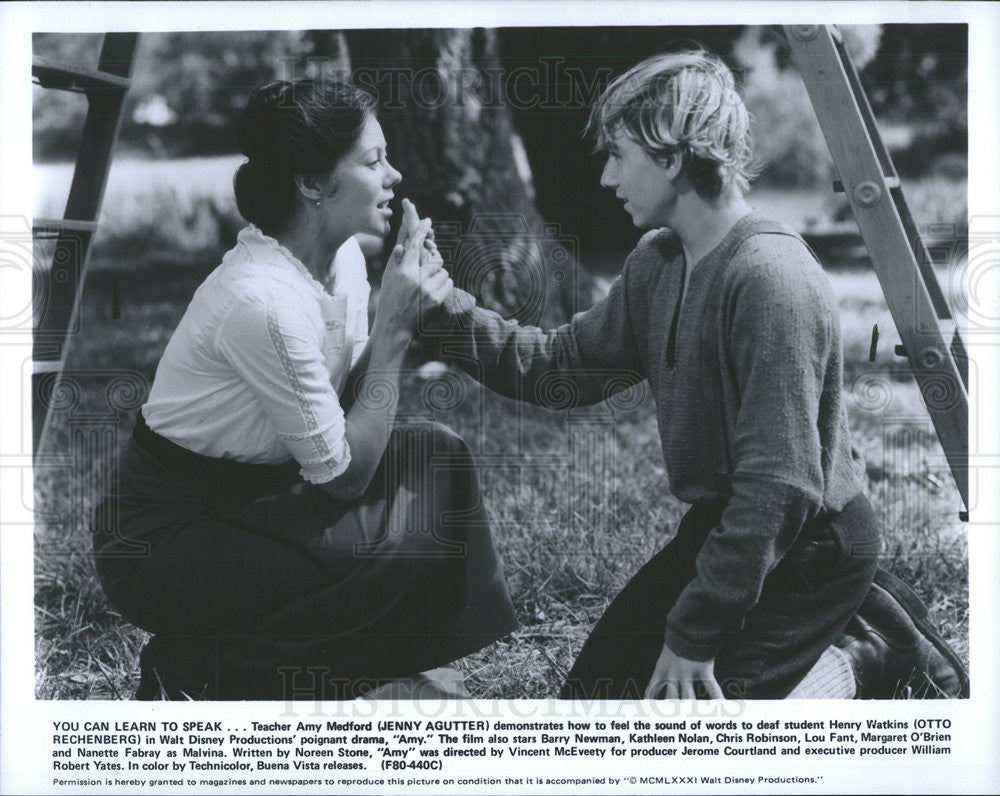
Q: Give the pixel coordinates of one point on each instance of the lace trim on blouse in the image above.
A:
(254, 231)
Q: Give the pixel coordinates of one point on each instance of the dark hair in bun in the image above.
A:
(290, 129)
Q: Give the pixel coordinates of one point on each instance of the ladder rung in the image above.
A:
(69, 77)
(950, 335)
(890, 183)
(53, 227)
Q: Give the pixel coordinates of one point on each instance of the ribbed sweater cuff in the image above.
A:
(693, 649)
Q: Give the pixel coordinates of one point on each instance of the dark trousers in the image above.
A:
(804, 605)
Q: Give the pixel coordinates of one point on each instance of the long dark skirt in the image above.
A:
(264, 587)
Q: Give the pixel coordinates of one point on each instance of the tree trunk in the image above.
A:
(451, 134)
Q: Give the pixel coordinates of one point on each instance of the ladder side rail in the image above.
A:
(100, 130)
(118, 54)
(864, 106)
(64, 281)
(86, 194)
(888, 243)
(923, 257)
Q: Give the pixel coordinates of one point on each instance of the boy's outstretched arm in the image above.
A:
(582, 362)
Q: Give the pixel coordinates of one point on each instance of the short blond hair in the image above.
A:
(682, 103)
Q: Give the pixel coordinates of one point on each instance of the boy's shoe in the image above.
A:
(896, 652)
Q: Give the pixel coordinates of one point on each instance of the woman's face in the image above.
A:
(363, 181)
(640, 182)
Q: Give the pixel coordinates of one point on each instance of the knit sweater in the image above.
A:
(747, 381)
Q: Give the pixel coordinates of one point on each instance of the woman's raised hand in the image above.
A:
(415, 278)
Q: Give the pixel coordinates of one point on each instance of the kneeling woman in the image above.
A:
(278, 536)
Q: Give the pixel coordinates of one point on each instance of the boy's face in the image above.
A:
(641, 182)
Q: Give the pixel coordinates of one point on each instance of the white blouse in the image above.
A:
(254, 368)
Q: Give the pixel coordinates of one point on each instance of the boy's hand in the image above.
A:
(675, 677)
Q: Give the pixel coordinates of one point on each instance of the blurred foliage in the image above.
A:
(921, 73)
(187, 89)
(916, 80)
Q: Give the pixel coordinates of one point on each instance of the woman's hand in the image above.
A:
(675, 677)
(415, 278)
(405, 287)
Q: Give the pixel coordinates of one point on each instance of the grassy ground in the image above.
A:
(570, 536)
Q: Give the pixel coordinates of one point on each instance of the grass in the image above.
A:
(569, 538)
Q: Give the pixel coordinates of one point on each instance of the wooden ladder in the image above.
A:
(58, 290)
(931, 339)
